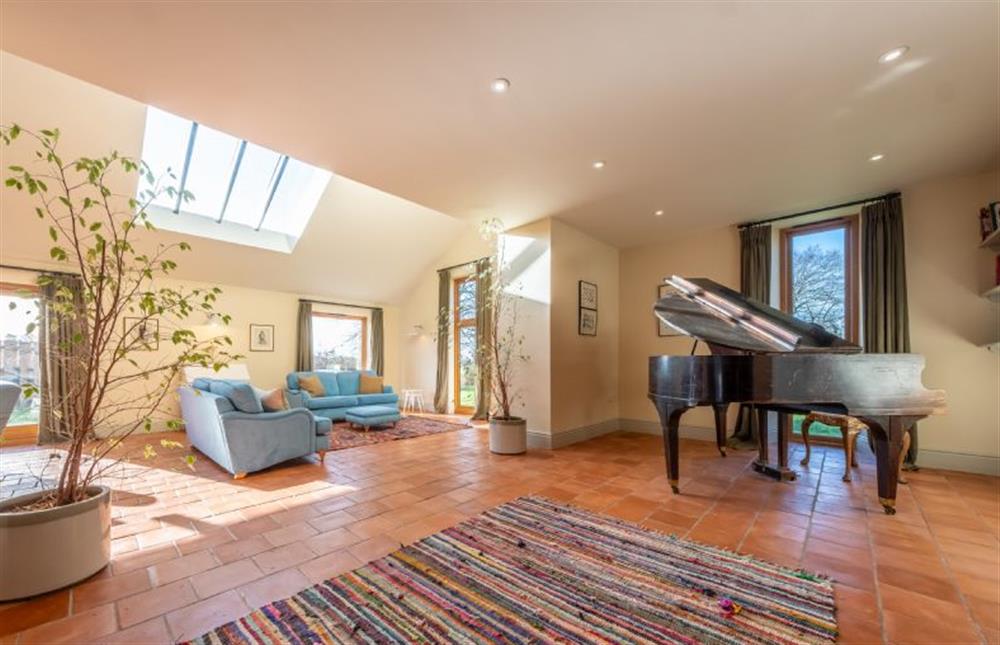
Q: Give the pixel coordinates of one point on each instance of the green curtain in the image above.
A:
(378, 347)
(62, 351)
(755, 282)
(441, 387)
(484, 337)
(886, 320)
(303, 352)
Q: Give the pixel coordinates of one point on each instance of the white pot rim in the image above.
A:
(98, 495)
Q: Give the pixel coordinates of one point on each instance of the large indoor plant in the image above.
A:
(502, 349)
(113, 338)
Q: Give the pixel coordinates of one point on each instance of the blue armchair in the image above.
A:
(244, 442)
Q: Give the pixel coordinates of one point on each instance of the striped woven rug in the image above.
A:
(533, 571)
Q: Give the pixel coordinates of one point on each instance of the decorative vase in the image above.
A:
(51, 548)
(508, 436)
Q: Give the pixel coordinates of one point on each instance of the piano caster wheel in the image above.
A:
(888, 505)
(889, 510)
(674, 487)
(722, 451)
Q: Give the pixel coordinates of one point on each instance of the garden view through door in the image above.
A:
(464, 376)
(19, 357)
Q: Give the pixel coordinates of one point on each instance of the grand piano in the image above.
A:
(764, 357)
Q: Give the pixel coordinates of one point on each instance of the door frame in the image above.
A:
(457, 326)
(25, 434)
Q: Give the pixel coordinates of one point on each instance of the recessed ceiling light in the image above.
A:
(878, 157)
(658, 213)
(598, 164)
(499, 85)
(893, 54)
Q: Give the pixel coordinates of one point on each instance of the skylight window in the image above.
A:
(243, 193)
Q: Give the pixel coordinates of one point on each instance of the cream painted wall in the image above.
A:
(584, 368)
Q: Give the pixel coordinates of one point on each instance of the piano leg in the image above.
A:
(720, 427)
(762, 464)
(670, 421)
(887, 435)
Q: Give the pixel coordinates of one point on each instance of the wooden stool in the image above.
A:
(850, 428)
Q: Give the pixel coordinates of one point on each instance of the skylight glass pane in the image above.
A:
(164, 146)
(295, 200)
(253, 185)
(209, 172)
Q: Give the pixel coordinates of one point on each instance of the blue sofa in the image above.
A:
(244, 442)
(342, 394)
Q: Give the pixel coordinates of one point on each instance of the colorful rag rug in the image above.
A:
(342, 436)
(534, 571)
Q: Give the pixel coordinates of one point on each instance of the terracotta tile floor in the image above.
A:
(194, 549)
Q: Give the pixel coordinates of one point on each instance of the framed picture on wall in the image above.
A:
(261, 338)
(588, 295)
(588, 322)
(662, 330)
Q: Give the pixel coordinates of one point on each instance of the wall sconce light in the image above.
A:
(417, 331)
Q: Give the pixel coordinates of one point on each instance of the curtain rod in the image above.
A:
(339, 304)
(462, 264)
(820, 210)
(14, 267)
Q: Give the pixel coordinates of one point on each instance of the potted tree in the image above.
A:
(502, 349)
(112, 340)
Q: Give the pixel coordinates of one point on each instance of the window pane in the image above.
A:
(818, 284)
(467, 367)
(19, 352)
(296, 198)
(164, 146)
(337, 343)
(253, 185)
(466, 299)
(211, 168)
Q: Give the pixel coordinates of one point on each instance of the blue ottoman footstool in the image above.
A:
(367, 416)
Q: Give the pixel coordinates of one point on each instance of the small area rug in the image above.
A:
(536, 571)
(342, 436)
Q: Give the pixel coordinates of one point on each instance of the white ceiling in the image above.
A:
(714, 112)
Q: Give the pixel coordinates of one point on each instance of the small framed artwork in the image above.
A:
(261, 338)
(588, 295)
(663, 330)
(588, 322)
(142, 333)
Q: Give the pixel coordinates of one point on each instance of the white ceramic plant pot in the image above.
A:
(508, 436)
(49, 549)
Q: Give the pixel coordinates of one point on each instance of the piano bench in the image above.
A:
(850, 428)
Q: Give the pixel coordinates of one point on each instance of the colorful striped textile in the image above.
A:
(534, 571)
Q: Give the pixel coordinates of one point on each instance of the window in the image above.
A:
(243, 193)
(340, 342)
(819, 264)
(19, 355)
(465, 345)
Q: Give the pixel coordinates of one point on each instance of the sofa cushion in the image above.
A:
(312, 385)
(370, 384)
(373, 399)
(329, 381)
(322, 402)
(241, 395)
(348, 382)
(273, 400)
(202, 383)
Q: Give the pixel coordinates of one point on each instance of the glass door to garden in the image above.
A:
(465, 345)
(19, 357)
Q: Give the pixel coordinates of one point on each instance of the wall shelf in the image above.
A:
(992, 241)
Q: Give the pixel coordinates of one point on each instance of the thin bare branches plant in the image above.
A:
(121, 332)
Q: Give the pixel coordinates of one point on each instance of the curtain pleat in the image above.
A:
(755, 282)
(441, 387)
(378, 347)
(303, 352)
(484, 337)
(886, 320)
(62, 350)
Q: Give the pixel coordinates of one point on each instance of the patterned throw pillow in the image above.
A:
(370, 384)
(274, 401)
(312, 385)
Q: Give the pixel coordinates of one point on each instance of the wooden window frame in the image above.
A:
(25, 434)
(459, 324)
(364, 332)
(852, 264)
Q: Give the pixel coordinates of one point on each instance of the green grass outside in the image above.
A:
(817, 429)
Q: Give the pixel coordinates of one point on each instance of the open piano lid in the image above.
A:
(708, 311)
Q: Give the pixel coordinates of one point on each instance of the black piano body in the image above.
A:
(764, 357)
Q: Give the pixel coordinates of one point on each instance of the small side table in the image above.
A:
(413, 400)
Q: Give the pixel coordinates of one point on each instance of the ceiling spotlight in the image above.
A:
(598, 164)
(878, 157)
(893, 54)
(499, 85)
(658, 213)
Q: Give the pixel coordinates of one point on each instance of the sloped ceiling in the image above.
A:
(361, 243)
(714, 112)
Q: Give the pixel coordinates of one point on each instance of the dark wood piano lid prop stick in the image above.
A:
(766, 358)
